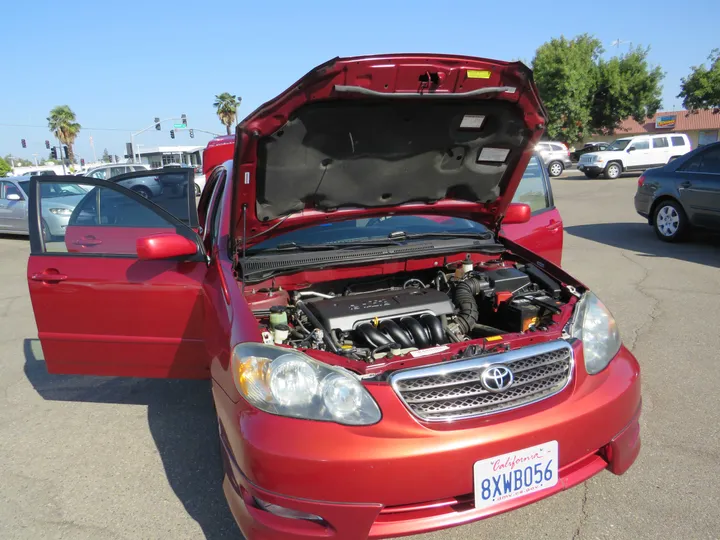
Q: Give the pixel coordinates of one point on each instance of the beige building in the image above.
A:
(703, 127)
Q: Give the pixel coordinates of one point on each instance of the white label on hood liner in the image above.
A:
(498, 155)
(428, 352)
(472, 121)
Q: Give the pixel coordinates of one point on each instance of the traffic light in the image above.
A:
(192, 135)
(47, 145)
(184, 119)
(157, 123)
(172, 133)
(65, 151)
(24, 144)
(82, 162)
(53, 152)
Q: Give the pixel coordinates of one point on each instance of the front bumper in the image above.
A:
(402, 477)
(56, 223)
(593, 168)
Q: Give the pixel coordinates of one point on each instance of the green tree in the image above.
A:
(586, 95)
(226, 106)
(626, 87)
(106, 156)
(5, 167)
(566, 75)
(701, 89)
(63, 124)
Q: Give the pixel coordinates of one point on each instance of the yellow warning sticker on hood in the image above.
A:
(478, 73)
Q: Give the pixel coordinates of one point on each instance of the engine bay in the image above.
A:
(370, 318)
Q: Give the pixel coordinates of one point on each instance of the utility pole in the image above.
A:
(60, 153)
(35, 158)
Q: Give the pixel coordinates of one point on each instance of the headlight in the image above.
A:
(595, 326)
(289, 383)
(61, 211)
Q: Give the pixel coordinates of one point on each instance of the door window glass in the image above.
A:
(641, 144)
(98, 221)
(100, 174)
(8, 188)
(678, 141)
(532, 190)
(117, 171)
(168, 190)
(660, 142)
(557, 148)
(707, 162)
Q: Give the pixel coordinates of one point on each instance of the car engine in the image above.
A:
(371, 319)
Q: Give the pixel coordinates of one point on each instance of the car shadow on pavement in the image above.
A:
(183, 425)
(701, 247)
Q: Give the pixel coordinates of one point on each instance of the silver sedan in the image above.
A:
(57, 203)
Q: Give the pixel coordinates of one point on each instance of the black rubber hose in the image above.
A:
(372, 335)
(328, 336)
(392, 329)
(420, 335)
(465, 293)
(434, 326)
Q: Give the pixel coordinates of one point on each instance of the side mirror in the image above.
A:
(13, 197)
(164, 246)
(517, 213)
(631, 149)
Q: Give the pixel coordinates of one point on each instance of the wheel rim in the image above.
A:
(142, 193)
(667, 221)
(614, 171)
(555, 169)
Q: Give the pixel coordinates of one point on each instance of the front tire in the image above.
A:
(613, 171)
(142, 191)
(669, 221)
(197, 190)
(555, 168)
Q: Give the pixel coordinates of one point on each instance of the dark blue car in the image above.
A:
(683, 194)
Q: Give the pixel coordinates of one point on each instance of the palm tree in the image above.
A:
(226, 106)
(62, 124)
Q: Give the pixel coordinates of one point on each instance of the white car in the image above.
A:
(634, 154)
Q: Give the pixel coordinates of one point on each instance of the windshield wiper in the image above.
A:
(402, 235)
(294, 246)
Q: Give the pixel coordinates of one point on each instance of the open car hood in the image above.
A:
(403, 134)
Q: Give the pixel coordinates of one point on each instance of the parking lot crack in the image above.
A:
(583, 512)
(655, 310)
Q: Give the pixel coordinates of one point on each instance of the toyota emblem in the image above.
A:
(497, 378)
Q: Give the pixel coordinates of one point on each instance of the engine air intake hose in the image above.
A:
(465, 293)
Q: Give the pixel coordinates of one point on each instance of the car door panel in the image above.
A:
(698, 183)
(543, 234)
(99, 309)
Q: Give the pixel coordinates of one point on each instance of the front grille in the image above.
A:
(454, 390)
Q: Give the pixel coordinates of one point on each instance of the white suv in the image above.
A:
(634, 154)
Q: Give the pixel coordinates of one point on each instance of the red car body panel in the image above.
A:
(122, 315)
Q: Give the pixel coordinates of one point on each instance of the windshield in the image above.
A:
(49, 191)
(618, 144)
(373, 229)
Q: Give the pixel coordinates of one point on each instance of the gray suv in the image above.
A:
(555, 155)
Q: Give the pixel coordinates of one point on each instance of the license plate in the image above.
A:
(502, 478)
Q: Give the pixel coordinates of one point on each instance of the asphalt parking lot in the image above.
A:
(89, 458)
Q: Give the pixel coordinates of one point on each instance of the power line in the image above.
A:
(84, 127)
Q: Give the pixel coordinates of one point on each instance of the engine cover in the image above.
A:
(347, 312)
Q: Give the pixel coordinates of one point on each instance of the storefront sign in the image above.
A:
(665, 122)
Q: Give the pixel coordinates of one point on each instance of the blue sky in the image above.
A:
(120, 64)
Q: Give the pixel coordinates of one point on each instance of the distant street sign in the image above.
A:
(180, 125)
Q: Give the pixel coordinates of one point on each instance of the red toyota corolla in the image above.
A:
(383, 361)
